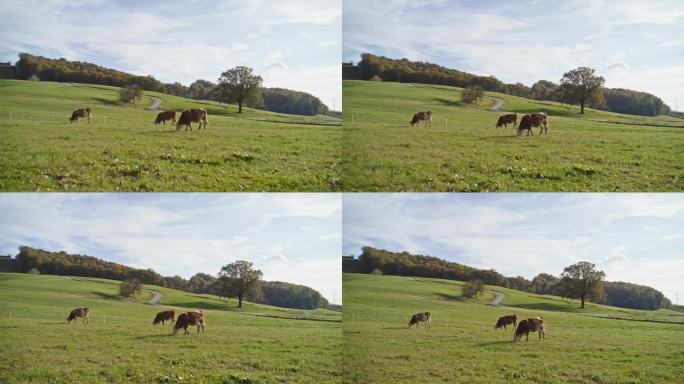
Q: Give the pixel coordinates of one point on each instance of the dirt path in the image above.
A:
(498, 103)
(156, 296)
(156, 102)
(630, 319)
(498, 299)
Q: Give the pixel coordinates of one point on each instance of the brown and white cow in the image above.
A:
(186, 319)
(422, 116)
(83, 112)
(531, 324)
(162, 117)
(420, 317)
(79, 312)
(506, 320)
(164, 316)
(504, 120)
(189, 116)
(540, 120)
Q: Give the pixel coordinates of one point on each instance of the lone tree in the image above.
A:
(130, 94)
(582, 280)
(239, 279)
(472, 94)
(239, 85)
(473, 288)
(582, 86)
(130, 287)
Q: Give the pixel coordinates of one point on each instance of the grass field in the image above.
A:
(463, 347)
(121, 345)
(598, 151)
(121, 150)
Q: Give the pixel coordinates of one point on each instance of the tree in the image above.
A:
(472, 94)
(473, 288)
(582, 86)
(240, 85)
(583, 280)
(130, 94)
(130, 287)
(238, 279)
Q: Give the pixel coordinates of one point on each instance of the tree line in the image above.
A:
(619, 294)
(614, 100)
(270, 99)
(265, 292)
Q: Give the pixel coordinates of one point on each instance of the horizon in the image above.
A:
(631, 44)
(293, 238)
(297, 49)
(633, 238)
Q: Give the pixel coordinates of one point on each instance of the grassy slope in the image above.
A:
(464, 152)
(121, 345)
(463, 347)
(121, 150)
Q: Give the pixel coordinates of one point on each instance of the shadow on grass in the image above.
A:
(111, 103)
(204, 305)
(543, 307)
(106, 296)
(450, 103)
(450, 297)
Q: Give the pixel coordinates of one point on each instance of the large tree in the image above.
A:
(582, 86)
(583, 280)
(239, 279)
(239, 85)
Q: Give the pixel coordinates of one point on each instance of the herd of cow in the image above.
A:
(527, 122)
(186, 118)
(530, 324)
(184, 320)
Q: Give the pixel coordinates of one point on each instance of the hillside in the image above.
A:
(462, 151)
(252, 344)
(121, 150)
(462, 344)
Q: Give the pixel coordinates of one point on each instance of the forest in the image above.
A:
(31, 67)
(33, 260)
(372, 67)
(373, 260)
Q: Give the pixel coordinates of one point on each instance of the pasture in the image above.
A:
(463, 347)
(462, 151)
(254, 344)
(121, 150)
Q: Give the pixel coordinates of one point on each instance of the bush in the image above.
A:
(130, 287)
(473, 288)
(376, 271)
(472, 94)
(130, 94)
(33, 78)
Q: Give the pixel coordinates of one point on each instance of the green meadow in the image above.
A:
(121, 150)
(463, 347)
(253, 344)
(463, 151)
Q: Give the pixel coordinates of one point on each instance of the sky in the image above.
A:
(633, 44)
(290, 46)
(637, 238)
(294, 237)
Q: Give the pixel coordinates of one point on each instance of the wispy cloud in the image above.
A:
(285, 235)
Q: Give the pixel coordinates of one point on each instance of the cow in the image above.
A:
(190, 116)
(419, 317)
(540, 120)
(164, 316)
(504, 120)
(79, 312)
(531, 324)
(186, 319)
(84, 112)
(422, 116)
(506, 320)
(166, 115)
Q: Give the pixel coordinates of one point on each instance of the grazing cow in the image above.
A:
(422, 116)
(506, 320)
(79, 312)
(84, 112)
(190, 116)
(163, 116)
(186, 319)
(531, 324)
(504, 120)
(540, 120)
(418, 317)
(164, 316)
